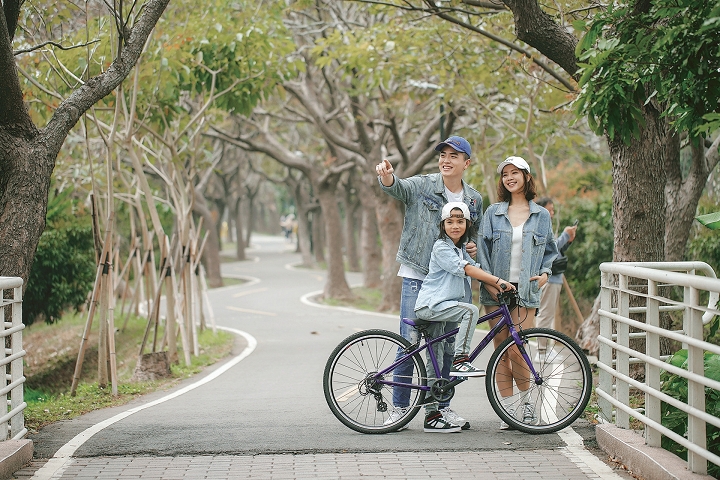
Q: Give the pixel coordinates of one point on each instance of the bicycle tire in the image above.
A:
(555, 402)
(347, 383)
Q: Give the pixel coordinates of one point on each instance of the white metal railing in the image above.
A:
(642, 285)
(12, 423)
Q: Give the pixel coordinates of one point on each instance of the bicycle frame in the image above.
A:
(505, 321)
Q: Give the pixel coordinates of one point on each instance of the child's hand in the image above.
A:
(499, 287)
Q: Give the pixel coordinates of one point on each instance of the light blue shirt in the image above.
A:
(446, 284)
(538, 250)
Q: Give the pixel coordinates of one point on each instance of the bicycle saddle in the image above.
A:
(416, 322)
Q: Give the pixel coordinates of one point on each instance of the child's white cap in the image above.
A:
(449, 207)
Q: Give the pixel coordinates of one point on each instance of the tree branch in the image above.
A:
(54, 44)
(96, 88)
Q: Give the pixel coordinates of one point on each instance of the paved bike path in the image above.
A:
(265, 417)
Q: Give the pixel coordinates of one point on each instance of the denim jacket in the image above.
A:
(446, 284)
(424, 197)
(538, 247)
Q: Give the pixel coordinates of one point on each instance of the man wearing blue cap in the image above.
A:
(424, 197)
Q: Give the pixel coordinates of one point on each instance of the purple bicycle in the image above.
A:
(538, 380)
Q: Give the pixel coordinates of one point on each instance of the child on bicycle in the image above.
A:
(445, 297)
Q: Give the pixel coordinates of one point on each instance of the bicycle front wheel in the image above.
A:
(359, 397)
(554, 401)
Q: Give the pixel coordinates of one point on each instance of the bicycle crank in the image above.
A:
(442, 390)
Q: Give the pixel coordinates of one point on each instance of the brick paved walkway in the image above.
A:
(499, 465)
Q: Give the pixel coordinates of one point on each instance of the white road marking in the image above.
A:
(55, 467)
(247, 310)
(248, 292)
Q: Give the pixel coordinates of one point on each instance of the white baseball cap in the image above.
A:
(449, 207)
(519, 162)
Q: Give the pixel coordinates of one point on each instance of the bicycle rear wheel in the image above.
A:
(552, 403)
(358, 397)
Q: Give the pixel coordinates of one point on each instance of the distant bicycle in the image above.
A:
(363, 369)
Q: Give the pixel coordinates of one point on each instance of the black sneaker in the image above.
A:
(435, 423)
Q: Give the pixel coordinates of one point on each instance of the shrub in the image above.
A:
(677, 420)
(63, 271)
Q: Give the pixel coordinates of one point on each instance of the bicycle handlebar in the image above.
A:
(509, 297)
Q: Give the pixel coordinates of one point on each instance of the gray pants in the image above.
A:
(465, 313)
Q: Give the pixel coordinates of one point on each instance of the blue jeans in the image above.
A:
(408, 298)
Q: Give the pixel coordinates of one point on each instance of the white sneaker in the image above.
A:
(396, 414)
(529, 413)
(452, 417)
(505, 426)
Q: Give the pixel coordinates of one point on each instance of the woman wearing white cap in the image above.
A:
(516, 243)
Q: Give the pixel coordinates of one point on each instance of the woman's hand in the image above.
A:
(542, 279)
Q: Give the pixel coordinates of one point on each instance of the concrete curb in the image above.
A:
(14, 454)
(651, 463)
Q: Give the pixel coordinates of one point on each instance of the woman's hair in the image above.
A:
(529, 190)
(465, 237)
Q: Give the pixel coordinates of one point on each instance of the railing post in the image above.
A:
(693, 327)
(4, 369)
(652, 373)
(17, 422)
(622, 389)
(605, 354)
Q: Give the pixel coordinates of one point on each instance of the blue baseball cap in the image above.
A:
(459, 144)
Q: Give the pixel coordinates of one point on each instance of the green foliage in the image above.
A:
(63, 271)
(677, 420)
(704, 244)
(593, 244)
(241, 42)
(668, 55)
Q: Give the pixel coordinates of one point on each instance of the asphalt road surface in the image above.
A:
(269, 400)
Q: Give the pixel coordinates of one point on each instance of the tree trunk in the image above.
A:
(390, 223)
(299, 187)
(25, 171)
(318, 237)
(336, 285)
(351, 247)
(303, 236)
(639, 193)
(371, 251)
(211, 253)
(638, 206)
(683, 197)
(250, 219)
(239, 238)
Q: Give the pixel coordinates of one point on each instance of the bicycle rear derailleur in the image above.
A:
(369, 386)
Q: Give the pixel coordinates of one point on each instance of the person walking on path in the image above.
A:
(516, 242)
(550, 293)
(424, 197)
(445, 296)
